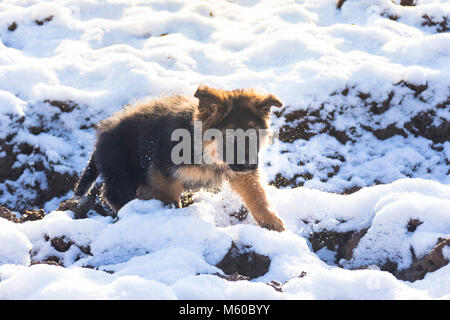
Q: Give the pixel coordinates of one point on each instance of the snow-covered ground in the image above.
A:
(371, 80)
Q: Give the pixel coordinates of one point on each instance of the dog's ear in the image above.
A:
(264, 105)
(210, 99)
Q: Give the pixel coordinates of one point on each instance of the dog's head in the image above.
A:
(242, 117)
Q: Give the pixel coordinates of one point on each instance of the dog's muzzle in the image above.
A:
(243, 167)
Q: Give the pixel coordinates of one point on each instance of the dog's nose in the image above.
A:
(243, 167)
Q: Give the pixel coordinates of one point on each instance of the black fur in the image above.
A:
(132, 141)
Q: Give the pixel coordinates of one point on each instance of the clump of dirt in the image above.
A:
(244, 263)
(27, 215)
(52, 260)
(32, 215)
(232, 277)
(342, 243)
(12, 27)
(413, 224)
(241, 215)
(61, 244)
(5, 213)
(187, 199)
(64, 106)
(45, 20)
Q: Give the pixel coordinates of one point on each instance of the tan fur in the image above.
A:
(215, 104)
(252, 192)
(168, 190)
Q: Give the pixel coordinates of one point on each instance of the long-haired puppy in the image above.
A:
(139, 153)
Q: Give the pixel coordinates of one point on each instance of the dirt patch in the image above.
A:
(32, 215)
(442, 25)
(52, 260)
(45, 20)
(386, 133)
(58, 184)
(64, 106)
(232, 277)
(241, 214)
(12, 27)
(5, 213)
(428, 263)
(313, 120)
(342, 243)
(27, 215)
(413, 224)
(61, 244)
(422, 125)
(243, 262)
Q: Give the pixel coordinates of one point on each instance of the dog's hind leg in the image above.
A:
(121, 175)
(168, 190)
(118, 190)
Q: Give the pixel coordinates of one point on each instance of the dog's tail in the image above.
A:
(90, 174)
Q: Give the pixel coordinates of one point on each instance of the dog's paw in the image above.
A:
(273, 223)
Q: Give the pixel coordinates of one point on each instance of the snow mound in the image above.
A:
(16, 247)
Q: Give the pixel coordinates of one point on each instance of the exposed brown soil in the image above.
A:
(421, 125)
(442, 25)
(232, 277)
(61, 244)
(244, 263)
(32, 215)
(52, 260)
(12, 27)
(343, 243)
(428, 263)
(5, 213)
(310, 121)
(45, 20)
(64, 106)
(27, 215)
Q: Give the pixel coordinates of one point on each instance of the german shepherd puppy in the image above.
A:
(134, 148)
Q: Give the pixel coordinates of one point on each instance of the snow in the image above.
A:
(15, 245)
(103, 55)
(153, 252)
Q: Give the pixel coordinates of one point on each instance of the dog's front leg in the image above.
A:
(252, 192)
